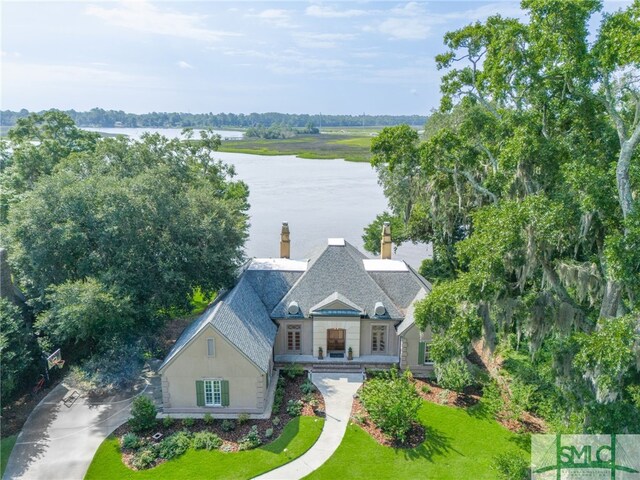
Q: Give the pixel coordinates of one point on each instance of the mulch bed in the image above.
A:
(431, 392)
(360, 416)
(314, 407)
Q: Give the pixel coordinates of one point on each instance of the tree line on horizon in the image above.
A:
(98, 117)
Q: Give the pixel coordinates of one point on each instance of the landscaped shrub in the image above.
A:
(130, 440)
(167, 421)
(294, 408)
(453, 374)
(278, 397)
(208, 419)
(144, 458)
(426, 389)
(250, 440)
(228, 425)
(491, 398)
(174, 445)
(521, 394)
(392, 403)
(307, 387)
(143, 414)
(511, 466)
(206, 441)
(443, 396)
(268, 432)
(293, 370)
(243, 418)
(276, 421)
(189, 422)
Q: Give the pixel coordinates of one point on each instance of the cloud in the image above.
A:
(17, 73)
(405, 28)
(276, 17)
(330, 12)
(144, 17)
(184, 65)
(322, 40)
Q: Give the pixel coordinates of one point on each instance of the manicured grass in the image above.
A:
(6, 445)
(324, 146)
(460, 444)
(297, 437)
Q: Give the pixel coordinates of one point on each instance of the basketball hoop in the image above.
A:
(55, 360)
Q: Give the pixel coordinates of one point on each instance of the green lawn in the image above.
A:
(325, 146)
(298, 436)
(460, 444)
(6, 445)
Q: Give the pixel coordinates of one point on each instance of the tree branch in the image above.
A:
(479, 188)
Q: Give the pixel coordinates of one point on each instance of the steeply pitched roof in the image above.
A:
(401, 286)
(339, 273)
(241, 317)
(338, 269)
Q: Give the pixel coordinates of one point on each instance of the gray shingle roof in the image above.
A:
(271, 285)
(402, 287)
(244, 321)
(241, 317)
(338, 269)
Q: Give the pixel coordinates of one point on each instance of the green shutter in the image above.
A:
(200, 393)
(421, 353)
(224, 385)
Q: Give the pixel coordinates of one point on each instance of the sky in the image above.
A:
(346, 57)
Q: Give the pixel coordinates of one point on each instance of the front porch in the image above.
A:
(375, 362)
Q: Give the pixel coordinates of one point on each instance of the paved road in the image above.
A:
(58, 442)
(338, 390)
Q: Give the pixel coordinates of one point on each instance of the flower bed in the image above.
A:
(177, 435)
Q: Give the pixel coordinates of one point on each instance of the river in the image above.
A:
(319, 199)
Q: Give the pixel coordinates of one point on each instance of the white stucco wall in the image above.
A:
(352, 333)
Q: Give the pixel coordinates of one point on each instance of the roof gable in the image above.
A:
(239, 316)
(334, 304)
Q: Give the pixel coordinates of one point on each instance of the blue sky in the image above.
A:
(343, 57)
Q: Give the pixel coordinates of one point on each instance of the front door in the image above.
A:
(335, 340)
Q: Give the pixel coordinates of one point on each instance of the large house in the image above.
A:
(337, 309)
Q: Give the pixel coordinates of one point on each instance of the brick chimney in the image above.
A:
(385, 242)
(285, 242)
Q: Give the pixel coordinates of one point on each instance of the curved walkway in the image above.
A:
(58, 442)
(338, 390)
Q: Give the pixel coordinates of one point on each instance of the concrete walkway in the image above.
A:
(338, 390)
(58, 441)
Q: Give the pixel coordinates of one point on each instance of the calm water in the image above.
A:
(167, 132)
(319, 199)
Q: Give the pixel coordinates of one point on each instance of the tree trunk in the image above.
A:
(611, 300)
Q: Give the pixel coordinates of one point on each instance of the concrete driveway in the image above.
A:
(338, 390)
(58, 441)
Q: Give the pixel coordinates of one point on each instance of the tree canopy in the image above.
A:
(527, 182)
(107, 236)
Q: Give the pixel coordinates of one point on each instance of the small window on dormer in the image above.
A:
(211, 347)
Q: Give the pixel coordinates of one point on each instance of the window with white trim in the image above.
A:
(294, 333)
(212, 393)
(378, 339)
(211, 347)
(427, 353)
